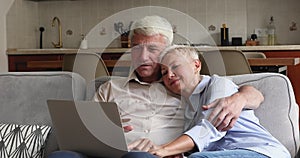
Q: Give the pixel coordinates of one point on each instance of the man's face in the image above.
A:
(145, 53)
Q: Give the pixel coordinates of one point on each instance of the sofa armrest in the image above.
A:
(279, 112)
(23, 97)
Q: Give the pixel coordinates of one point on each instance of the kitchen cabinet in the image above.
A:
(52, 59)
(28, 62)
(54, 62)
(36, 59)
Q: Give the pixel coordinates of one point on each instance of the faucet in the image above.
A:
(59, 44)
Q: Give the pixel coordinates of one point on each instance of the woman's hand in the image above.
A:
(143, 144)
(162, 152)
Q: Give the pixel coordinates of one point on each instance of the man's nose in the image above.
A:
(144, 53)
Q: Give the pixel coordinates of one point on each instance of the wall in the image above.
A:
(4, 7)
(22, 24)
(284, 12)
(79, 17)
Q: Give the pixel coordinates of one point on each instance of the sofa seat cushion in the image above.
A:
(24, 141)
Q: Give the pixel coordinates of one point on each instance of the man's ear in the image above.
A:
(197, 63)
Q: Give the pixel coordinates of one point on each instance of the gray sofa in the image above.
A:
(23, 100)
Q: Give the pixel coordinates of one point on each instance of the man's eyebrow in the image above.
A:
(150, 44)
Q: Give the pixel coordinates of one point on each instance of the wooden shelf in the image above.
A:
(273, 61)
(278, 65)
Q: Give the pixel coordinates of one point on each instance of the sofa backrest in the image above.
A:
(279, 112)
(23, 97)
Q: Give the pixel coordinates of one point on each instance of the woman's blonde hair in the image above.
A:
(187, 51)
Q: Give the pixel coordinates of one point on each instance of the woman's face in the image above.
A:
(180, 73)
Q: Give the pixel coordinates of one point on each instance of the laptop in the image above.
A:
(91, 128)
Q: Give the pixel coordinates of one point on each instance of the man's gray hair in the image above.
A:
(152, 25)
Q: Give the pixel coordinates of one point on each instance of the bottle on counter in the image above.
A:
(271, 32)
(224, 35)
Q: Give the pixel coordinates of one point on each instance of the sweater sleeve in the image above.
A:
(204, 133)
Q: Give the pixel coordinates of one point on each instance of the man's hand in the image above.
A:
(227, 111)
(143, 144)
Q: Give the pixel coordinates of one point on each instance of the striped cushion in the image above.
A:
(23, 141)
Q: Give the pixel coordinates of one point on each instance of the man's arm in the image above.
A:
(252, 95)
(227, 110)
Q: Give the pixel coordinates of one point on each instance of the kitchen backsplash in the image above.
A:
(99, 16)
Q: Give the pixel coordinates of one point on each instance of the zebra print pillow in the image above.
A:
(23, 141)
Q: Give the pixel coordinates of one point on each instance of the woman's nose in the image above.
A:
(171, 74)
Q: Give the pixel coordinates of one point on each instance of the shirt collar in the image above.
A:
(195, 96)
(133, 78)
(200, 87)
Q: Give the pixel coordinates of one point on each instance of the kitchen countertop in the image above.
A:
(61, 51)
(121, 50)
(262, 48)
